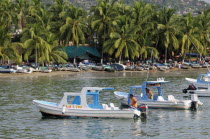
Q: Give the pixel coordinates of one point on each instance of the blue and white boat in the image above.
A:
(199, 86)
(202, 80)
(85, 104)
(7, 69)
(158, 101)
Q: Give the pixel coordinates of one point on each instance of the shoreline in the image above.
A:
(55, 73)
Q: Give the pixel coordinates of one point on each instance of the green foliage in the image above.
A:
(119, 30)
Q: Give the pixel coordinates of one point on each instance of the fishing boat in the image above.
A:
(199, 86)
(118, 67)
(85, 104)
(45, 69)
(7, 69)
(23, 69)
(161, 67)
(157, 101)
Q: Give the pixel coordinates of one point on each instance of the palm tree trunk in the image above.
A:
(120, 58)
(75, 52)
(36, 57)
(102, 55)
(102, 51)
(166, 55)
(183, 57)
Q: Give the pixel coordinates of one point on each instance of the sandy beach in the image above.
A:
(34, 74)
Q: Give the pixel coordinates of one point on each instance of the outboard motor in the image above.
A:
(194, 103)
(143, 108)
(190, 87)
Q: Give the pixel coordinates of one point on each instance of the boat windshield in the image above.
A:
(74, 100)
(205, 78)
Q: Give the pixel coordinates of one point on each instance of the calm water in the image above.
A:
(19, 118)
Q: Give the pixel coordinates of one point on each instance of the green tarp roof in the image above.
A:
(82, 51)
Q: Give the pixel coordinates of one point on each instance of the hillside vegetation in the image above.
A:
(181, 6)
(32, 31)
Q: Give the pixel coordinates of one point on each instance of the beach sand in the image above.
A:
(35, 74)
(55, 73)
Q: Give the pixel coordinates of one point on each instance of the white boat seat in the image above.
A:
(113, 107)
(106, 107)
(160, 98)
(171, 98)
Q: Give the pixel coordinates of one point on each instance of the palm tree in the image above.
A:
(167, 29)
(143, 15)
(188, 36)
(122, 42)
(203, 29)
(21, 9)
(35, 8)
(72, 30)
(58, 10)
(57, 53)
(34, 38)
(7, 14)
(103, 15)
(9, 50)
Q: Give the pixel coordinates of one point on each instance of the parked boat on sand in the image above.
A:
(7, 69)
(118, 67)
(78, 105)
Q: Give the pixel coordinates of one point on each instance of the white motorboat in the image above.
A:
(202, 80)
(47, 70)
(199, 86)
(158, 101)
(84, 104)
(23, 69)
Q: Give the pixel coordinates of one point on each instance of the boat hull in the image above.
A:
(200, 92)
(167, 105)
(155, 104)
(7, 71)
(56, 111)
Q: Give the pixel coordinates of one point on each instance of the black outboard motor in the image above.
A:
(143, 108)
(194, 103)
(190, 87)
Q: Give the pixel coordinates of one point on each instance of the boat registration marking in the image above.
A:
(73, 106)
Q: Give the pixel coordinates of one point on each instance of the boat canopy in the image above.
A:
(81, 98)
(148, 84)
(203, 78)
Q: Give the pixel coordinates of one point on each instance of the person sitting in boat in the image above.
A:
(133, 101)
(149, 93)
